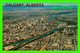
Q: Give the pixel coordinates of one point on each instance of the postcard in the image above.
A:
(40, 26)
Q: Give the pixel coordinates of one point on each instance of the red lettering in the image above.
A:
(27, 4)
(6, 4)
(10, 4)
(42, 4)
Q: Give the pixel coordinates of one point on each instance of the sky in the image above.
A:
(62, 4)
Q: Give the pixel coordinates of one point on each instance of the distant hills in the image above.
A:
(50, 6)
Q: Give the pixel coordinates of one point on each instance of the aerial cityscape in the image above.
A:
(40, 28)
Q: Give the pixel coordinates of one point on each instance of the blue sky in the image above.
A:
(62, 4)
